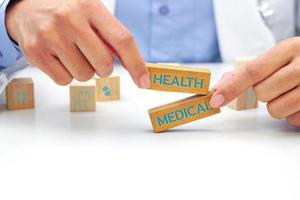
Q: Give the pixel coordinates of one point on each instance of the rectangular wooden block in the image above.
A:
(20, 94)
(83, 97)
(179, 78)
(181, 112)
(246, 100)
(108, 89)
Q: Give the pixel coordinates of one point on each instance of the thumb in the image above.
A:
(232, 84)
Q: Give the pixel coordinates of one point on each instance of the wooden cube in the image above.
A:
(246, 100)
(108, 89)
(20, 94)
(83, 96)
(181, 112)
(179, 78)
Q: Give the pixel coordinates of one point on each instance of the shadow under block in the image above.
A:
(179, 78)
(246, 100)
(82, 97)
(181, 112)
(20, 94)
(108, 89)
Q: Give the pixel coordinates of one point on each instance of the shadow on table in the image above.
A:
(268, 126)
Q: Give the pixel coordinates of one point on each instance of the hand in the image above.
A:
(74, 39)
(275, 77)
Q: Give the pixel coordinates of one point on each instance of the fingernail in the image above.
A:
(144, 81)
(217, 101)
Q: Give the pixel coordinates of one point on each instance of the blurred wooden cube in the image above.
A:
(108, 89)
(82, 96)
(246, 100)
(20, 94)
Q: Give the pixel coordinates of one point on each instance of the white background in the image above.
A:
(49, 153)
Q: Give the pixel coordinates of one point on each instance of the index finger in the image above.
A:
(122, 42)
(253, 72)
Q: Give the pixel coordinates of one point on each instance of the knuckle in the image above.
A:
(46, 30)
(108, 62)
(30, 47)
(291, 44)
(62, 80)
(125, 39)
(105, 72)
(296, 67)
(61, 13)
(85, 76)
(274, 111)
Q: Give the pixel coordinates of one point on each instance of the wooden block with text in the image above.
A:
(247, 99)
(181, 112)
(179, 78)
(20, 94)
(83, 96)
(108, 89)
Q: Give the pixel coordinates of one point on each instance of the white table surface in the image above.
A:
(50, 153)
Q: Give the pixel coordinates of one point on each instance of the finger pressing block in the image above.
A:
(181, 112)
(179, 79)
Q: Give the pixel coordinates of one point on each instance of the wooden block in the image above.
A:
(247, 99)
(83, 96)
(179, 78)
(181, 112)
(108, 89)
(20, 94)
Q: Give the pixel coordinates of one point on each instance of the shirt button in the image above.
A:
(164, 10)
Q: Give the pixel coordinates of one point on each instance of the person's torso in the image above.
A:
(172, 30)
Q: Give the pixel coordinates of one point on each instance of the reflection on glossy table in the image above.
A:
(50, 153)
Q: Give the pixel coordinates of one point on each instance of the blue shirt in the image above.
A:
(166, 30)
(8, 52)
(172, 30)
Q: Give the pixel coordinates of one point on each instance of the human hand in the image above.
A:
(275, 79)
(74, 39)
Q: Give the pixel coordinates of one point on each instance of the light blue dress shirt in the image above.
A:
(166, 30)
(172, 30)
(9, 53)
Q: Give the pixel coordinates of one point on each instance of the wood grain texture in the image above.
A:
(179, 78)
(82, 97)
(181, 112)
(20, 94)
(108, 89)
